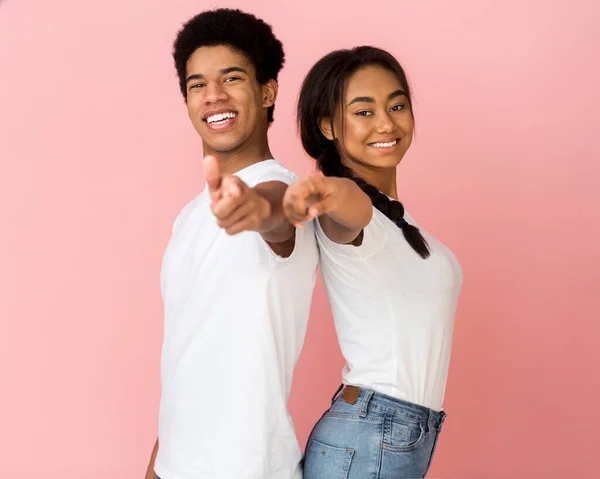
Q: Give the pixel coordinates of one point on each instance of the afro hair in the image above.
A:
(239, 30)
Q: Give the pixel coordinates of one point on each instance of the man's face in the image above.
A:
(227, 105)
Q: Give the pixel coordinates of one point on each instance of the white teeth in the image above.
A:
(220, 117)
(384, 145)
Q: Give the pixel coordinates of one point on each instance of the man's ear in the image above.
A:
(269, 92)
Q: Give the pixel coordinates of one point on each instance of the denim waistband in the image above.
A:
(368, 399)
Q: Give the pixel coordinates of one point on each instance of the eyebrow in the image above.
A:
(224, 71)
(370, 99)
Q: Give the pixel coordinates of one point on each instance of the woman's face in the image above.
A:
(377, 121)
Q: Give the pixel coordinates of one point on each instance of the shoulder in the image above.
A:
(272, 170)
(189, 208)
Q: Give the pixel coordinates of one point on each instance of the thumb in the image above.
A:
(212, 174)
(316, 189)
(324, 206)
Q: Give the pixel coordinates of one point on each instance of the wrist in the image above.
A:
(339, 189)
(266, 207)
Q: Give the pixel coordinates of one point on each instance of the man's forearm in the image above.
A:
(275, 228)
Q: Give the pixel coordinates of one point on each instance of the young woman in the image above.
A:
(393, 289)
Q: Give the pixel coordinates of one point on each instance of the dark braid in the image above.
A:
(332, 166)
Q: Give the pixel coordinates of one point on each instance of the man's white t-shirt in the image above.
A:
(393, 310)
(235, 318)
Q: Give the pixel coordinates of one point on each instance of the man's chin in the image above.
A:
(222, 147)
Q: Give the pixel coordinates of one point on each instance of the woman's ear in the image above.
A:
(326, 128)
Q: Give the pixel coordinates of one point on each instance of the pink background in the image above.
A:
(98, 156)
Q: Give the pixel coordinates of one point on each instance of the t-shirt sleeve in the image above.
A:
(276, 174)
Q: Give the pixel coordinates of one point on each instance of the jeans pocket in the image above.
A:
(406, 436)
(327, 462)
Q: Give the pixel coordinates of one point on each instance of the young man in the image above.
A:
(237, 278)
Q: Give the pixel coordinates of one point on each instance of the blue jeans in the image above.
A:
(376, 437)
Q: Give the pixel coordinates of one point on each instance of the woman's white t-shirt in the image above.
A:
(393, 310)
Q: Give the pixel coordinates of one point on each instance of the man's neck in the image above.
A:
(231, 162)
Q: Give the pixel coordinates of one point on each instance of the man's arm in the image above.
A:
(150, 474)
(275, 228)
(238, 208)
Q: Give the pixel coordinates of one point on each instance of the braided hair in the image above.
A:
(320, 96)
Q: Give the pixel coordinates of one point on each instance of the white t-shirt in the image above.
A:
(393, 310)
(235, 320)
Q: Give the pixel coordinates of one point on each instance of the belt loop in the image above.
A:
(436, 419)
(365, 403)
(337, 393)
(441, 418)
